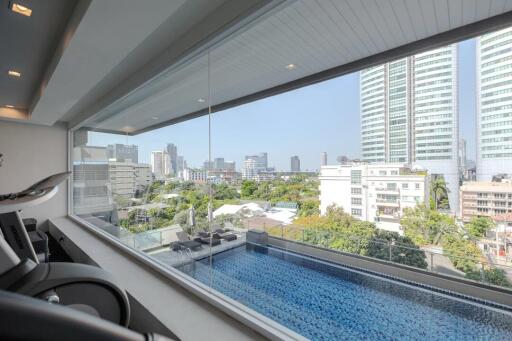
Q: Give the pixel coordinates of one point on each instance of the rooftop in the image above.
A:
(487, 186)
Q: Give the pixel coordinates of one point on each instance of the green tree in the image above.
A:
(493, 276)
(403, 250)
(439, 193)
(153, 212)
(263, 191)
(463, 253)
(181, 218)
(121, 201)
(479, 225)
(354, 238)
(224, 192)
(309, 207)
(234, 219)
(425, 226)
(171, 186)
(248, 188)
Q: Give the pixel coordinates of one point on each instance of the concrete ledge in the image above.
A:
(499, 297)
(185, 314)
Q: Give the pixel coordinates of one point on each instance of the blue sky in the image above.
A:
(303, 122)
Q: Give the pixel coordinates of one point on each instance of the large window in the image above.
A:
(195, 194)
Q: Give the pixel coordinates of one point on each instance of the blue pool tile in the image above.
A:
(327, 302)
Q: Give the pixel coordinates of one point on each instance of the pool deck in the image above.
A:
(173, 258)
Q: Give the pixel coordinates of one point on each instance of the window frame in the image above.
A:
(249, 317)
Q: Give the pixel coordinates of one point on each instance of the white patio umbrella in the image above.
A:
(191, 221)
(210, 212)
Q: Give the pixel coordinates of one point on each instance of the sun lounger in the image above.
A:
(184, 242)
(206, 241)
(226, 236)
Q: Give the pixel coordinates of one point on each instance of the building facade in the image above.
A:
(463, 159)
(261, 161)
(143, 176)
(195, 175)
(182, 163)
(485, 199)
(91, 188)
(122, 179)
(250, 170)
(224, 175)
(161, 164)
(377, 193)
(123, 152)
(494, 104)
(409, 114)
(172, 154)
(230, 166)
(295, 164)
(323, 159)
(218, 163)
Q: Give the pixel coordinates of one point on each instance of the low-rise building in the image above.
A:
(195, 175)
(373, 192)
(122, 178)
(250, 170)
(485, 199)
(143, 176)
(224, 175)
(249, 211)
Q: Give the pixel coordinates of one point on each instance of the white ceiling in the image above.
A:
(107, 34)
(131, 65)
(27, 45)
(315, 35)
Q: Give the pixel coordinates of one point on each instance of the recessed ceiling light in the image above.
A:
(201, 100)
(291, 66)
(14, 73)
(127, 129)
(155, 117)
(20, 9)
(9, 106)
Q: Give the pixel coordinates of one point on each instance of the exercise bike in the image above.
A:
(84, 288)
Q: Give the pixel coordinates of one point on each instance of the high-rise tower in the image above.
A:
(494, 104)
(409, 114)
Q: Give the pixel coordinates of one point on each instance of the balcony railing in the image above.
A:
(386, 202)
(434, 259)
(387, 190)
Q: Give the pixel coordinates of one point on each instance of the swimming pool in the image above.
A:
(323, 301)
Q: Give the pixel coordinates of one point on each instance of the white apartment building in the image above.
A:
(409, 114)
(494, 104)
(377, 193)
(195, 175)
(250, 169)
(160, 164)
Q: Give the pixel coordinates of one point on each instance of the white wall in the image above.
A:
(31, 153)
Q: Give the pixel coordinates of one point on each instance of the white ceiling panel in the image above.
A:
(315, 35)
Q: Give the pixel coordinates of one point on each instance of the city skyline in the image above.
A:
(261, 125)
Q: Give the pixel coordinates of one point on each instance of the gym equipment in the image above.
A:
(79, 286)
(29, 319)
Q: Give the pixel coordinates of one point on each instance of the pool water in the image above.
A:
(323, 301)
